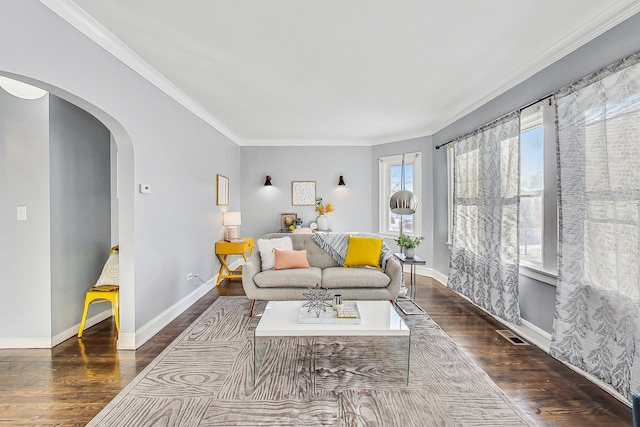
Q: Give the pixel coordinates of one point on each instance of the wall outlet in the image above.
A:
(189, 276)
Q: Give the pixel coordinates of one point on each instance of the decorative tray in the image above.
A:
(348, 315)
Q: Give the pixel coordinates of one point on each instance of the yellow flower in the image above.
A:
(321, 208)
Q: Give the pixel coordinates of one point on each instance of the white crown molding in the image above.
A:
(306, 142)
(403, 137)
(336, 142)
(83, 22)
(577, 39)
(75, 16)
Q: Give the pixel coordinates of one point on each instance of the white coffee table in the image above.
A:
(378, 318)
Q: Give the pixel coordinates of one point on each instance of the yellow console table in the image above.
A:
(236, 247)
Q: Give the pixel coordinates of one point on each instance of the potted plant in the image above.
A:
(409, 244)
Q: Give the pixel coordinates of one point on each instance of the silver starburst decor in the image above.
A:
(317, 299)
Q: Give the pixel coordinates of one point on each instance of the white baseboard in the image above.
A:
(429, 272)
(542, 340)
(49, 342)
(91, 321)
(126, 341)
(26, 342)
(129, 341)
(132, 341)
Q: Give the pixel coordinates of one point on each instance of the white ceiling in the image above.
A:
(360, 72)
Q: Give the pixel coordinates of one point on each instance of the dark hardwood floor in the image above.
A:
(71, 383)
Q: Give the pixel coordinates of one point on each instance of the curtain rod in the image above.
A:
(519, 109)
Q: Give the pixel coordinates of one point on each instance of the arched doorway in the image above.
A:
(125, 214)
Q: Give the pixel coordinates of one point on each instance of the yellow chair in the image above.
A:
(106, 289)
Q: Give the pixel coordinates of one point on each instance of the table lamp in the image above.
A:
(231, 221)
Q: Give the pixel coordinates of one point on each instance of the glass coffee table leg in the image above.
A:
(400, 351)
(260, 345)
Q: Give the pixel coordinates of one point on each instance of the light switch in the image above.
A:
(145, 188)
(21, 213)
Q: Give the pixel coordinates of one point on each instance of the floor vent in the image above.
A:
(511, 337)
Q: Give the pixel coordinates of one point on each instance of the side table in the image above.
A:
(236, 247)
(412, 262)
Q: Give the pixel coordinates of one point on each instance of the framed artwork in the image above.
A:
(287, 219)
(303, 193)
(222, 190)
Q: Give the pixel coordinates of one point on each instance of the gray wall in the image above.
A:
(424, 146)
(171, 231)
(262, 206)
(25, 310)
(538, 299)
(80, 209)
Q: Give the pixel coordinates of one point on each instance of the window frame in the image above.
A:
(546, 271)
(384, 191)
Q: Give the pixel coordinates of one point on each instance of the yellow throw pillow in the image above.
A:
(363, 251)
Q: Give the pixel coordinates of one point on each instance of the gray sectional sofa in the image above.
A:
(290, 284)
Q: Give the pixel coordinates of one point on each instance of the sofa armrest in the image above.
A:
(393, 269)
(249, 269)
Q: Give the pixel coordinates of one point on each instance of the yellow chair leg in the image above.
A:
(116, 311)
(87, 301)
(95, 297)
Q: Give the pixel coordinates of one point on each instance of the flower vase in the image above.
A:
(409, 252)
(323, 222)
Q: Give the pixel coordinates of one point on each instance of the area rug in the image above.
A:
(205, 378)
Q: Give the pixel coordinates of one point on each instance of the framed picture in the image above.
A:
(303, 193)
(222, 190)
(287, 219)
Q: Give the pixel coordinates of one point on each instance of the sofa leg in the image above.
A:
(253, 303)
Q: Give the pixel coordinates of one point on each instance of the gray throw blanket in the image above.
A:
(336, 244)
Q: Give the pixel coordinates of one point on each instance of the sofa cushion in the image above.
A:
(340, 277)
(363, 251)
(290, 259)
(266, 246)
(292, 278)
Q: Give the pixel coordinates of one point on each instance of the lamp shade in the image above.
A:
(232, 218)
(403, 202)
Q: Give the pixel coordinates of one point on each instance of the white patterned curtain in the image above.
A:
(484, 259)
(597, 311)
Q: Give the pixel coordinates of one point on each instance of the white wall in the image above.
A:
(79, 164)
(25, 311)
(262, 205)
(115, 205)
(165, 234)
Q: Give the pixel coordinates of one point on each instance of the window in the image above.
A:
(538, 205)
(390, 181)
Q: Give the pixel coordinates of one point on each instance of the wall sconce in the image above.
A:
(268, 181)
(341, 182)
(231, 220)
